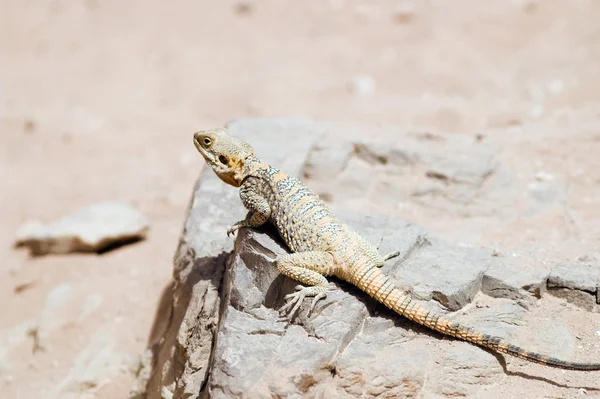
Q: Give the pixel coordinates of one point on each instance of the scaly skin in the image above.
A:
(323, 246)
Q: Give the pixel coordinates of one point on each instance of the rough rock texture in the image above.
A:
(93, 228)
(349, 347)
(506, 278)
(218, 333)
(455, 167)
(578, 282)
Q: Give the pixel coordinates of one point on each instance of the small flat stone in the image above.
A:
(579, 275)
(507, 277)
(93, 228)
(577, 282)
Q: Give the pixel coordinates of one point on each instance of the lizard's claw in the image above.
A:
(232, 229)
(295, 299)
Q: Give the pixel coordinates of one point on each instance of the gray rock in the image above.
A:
(326, 160)
(576, 276)
(350, 346)
(511, 277)
(464, 371)
(342, 350)
(578, 298)
(218, 333)
(89, 229)
(454, 274)
(433, 170)
(577, 282)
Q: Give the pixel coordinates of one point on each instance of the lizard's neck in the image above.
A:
(252, 165)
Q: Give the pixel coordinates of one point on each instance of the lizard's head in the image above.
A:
(224, 153)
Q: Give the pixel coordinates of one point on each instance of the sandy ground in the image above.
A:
(98, 100)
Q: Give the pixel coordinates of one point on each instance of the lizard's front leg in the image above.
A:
(256, 203)
(309, 268)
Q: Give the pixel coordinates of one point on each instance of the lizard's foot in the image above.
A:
(295, 299)
(387, 257)
(234, 228)
(231, 230)
(391, 256)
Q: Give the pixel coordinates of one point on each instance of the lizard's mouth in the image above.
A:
(202, 151)
(198, 146)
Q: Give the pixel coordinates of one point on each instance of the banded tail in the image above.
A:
(372, 281)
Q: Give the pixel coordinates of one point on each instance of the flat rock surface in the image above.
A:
(432, 169)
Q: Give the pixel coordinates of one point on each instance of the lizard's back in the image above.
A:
(303, 220)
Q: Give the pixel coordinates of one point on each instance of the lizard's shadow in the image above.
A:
(280, 285)
(376, 309)
(526, 376)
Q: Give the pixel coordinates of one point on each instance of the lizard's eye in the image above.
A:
(223, 160)
(207, 141)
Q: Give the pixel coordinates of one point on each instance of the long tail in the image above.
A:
(372, 281)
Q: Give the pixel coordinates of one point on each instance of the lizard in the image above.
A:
(321, 245)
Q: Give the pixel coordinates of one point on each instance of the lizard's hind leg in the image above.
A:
(309, 268)
(387, 257)
(392, 255)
